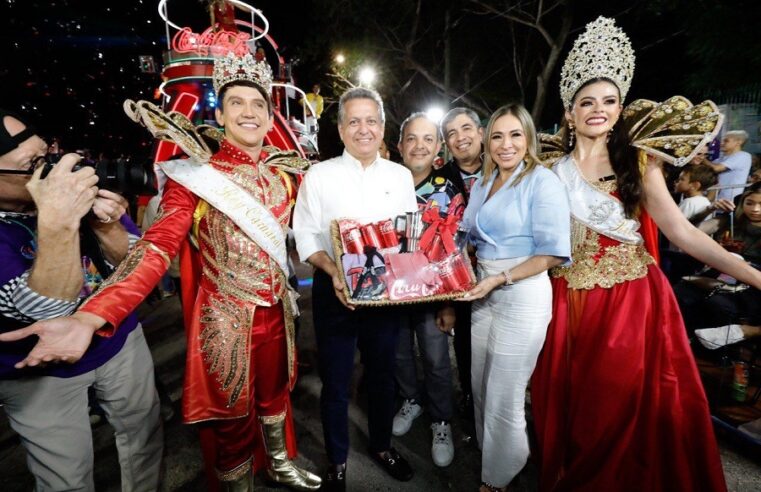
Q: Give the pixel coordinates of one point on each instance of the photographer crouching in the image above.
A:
(60, 237)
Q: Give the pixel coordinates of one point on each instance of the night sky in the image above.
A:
(68, 65)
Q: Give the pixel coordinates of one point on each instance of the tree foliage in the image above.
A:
(484, 53)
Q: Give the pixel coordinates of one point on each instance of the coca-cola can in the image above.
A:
(461, 272)
(387, 233)
(447, 275)
(370, 236)
(352, 239)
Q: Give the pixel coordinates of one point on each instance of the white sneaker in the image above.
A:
(713, 338)
(403, 419)
(442, 449)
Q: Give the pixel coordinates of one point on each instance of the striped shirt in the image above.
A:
(20, 305)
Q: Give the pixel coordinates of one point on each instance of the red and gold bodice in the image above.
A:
(232, 263)
(600, 261)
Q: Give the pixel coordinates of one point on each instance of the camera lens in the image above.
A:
(120, 177)
(126, 179)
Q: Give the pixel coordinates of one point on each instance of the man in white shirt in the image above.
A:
(361, 185)
(733, 166)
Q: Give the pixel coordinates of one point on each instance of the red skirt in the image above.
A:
(616, 396)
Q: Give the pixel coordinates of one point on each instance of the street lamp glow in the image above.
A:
(435, 114)
(340, 58)
(366, 76)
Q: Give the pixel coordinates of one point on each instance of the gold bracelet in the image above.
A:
(508, 277)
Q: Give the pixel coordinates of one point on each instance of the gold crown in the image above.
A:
(602, 51)
(233, 68)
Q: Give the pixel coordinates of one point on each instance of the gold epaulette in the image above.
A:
(288, 160)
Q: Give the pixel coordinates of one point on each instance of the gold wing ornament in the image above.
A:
(673, 130)
(202, 141)
(551, 148)
(199, 143)
(225, 344)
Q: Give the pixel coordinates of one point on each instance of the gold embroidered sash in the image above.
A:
(253, 218)
(599, 211)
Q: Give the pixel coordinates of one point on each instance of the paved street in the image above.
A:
(184, 471)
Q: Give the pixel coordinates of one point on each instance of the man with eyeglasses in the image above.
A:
(45, 270)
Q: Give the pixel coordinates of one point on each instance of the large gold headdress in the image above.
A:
(602, 51)
(673, 130)
(232, 67)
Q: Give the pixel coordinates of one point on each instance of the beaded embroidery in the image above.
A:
(604, 266)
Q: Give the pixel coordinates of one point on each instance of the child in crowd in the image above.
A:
(692, 183)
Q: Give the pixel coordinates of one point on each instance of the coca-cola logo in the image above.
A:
(386, 227)
(446, 268)
(401, 289)
(217, 43)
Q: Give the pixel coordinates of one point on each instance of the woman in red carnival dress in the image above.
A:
(616, 397)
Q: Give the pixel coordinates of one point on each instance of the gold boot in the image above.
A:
(239, 479)
(280, 469)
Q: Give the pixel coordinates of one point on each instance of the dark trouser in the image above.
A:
(676, 265)
(375, 331)
(462, 344)
(701, 309)
(434, 346)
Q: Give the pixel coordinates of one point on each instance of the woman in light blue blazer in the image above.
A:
(518, 219)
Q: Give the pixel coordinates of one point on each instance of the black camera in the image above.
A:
(121, 177)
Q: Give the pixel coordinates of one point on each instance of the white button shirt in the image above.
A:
(342, 188)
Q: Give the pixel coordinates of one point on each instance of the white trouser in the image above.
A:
(507, 333)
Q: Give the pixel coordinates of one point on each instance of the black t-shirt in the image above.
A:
(461, 179)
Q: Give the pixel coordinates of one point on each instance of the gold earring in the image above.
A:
(571, 135)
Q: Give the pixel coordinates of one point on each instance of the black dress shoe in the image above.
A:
(335, 478)
(394, 464)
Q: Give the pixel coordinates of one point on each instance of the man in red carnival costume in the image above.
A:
(240, 346)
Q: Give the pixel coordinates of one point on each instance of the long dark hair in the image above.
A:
(623, 159)
(740, 216)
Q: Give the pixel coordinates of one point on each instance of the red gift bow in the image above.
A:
(445, 228)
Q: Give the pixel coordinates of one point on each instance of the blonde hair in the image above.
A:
(529, 130)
